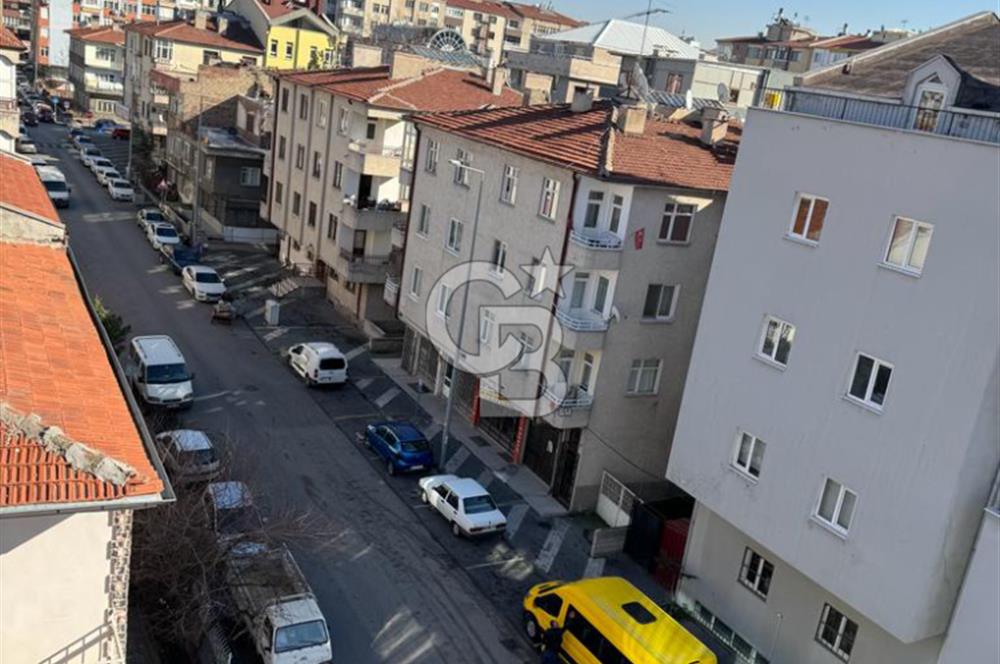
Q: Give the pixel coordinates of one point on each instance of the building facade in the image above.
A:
(10, 53)
(359, 17)
(631, 214)
(294, 36)
(831, 521)
(96, 68)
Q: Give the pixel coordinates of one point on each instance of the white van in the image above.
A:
(158, 373)
(55, 185)
(319, 363)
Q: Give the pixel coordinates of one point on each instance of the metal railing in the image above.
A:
(596, 239)
(575, 398)
(378, 150)
(391, 285)
(952, 123)
(582, 322)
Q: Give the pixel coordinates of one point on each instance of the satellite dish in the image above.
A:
(447, 40)
(723, 92)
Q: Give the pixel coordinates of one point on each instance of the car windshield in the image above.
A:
(303, 635)
(54, 185)
(416, 445)
(198, 457)
(152, 215)
(207, 278)
(103, 163)
(479, 504)
(121, 184)
(236, 520)
(167, 373)
(166, 231)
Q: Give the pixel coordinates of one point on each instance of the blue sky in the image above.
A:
(728, 18)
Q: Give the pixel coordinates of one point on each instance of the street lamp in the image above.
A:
(465, 304)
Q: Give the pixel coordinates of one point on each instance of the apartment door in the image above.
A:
(360, 239)
(565, 470)
(579, 291)
(365, 192)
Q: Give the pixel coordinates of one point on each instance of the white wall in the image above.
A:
(53, 587)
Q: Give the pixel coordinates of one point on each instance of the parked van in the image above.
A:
(55, 185)
(319, 363)
(608, 619)
(158, 373)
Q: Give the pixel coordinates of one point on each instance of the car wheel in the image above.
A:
(390, 467)
(423, 497)
(456, 530)
(531, 629)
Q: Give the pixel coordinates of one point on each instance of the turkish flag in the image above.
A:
(640, 235)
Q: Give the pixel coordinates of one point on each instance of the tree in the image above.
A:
(113, 324)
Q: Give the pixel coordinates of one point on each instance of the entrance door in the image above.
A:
(447, 379)
(930, 100)
(565, 473)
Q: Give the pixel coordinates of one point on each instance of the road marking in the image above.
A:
(387, 396)
(354, 352)
(456, 460)
(214, 395)
(359, 416)
(595, 567)
(485, 478)
(514, 520)
(494, 563)
(553, 543)
(419, 506)
(363, 383)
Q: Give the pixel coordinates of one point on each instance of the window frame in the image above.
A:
(431, 157)
(866, 401)
(461, 174)
(249, 176)
(453, 239)
(550, 191)
(668, 222)
(508, 184)
(632, 387)
(498, 257)
(443, 301)
(763, 564)
(834, 522)
(423, 221)
(747, 469)
(836, 647)
(906, 267)
(807, 225)
(657, 318)
(416, 282)
(772, 359)
(337, 180)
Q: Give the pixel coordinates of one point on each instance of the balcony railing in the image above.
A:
(596, 239)
(391, 285)
(581, 321)
(381, 150)
(364, 264)
(956, 124)
(576, 398)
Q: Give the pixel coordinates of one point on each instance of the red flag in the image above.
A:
(640, 235)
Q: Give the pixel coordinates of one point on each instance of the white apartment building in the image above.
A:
(359, 17)
(839, 428)
(96, 68)
(10, 116)
(341, 164)
(630, 205)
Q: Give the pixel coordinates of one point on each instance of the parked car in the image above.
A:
(401, 445)
(231, 512)
(121, 133)
(203, 283)
(38, 160)
(99, 162)
(76, 131)
(82, 140)
(105, 174)
(158, 373)
(25, 146)
(464, 504)
(162, 233)
(188, 455)
(101, 123)
(45, 115)
(121, 190)
(88, 154)
(147, 216)
(29, 119)
(318, 363)
(55, 185)
(179, 256)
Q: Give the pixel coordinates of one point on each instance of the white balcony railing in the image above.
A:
(368, 148)
(576, 398)
(582, 321)
(596, 239)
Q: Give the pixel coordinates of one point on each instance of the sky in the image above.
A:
(731, 18)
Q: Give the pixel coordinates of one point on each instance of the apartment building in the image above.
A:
(342, 162)
(177, 47)
(75, 458)
(17, 18)
(839, 425)
(97, 68)
(629, 206)
(295, 36)
(359, 17)
(491, 29)
(10, 54)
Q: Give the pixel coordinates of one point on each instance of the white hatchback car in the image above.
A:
(105, 174)
(464, 503)
(319, 363)
(121, 190)
(203, 283)
(160, 234)
(188, 455)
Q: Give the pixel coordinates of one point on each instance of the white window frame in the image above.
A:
(866, 401)
(508, 184)
(289, 50)
(443, 300)
(781, 326)
(746, 467)
(671, 211)
(163, 50)
(487, 320)
(911, 240)
(416, 277)
(837, 646)
(338, 174)
(676, 290)
(498, 259)
(747, 566)
(550, 195)
(461, 174)
(453, 239)
(635, 372)
(321, 114)
(431, 159)
(344, 122)
(423, 221)
(834, 521)
(249, 176)
(804, 235)
(595, 203)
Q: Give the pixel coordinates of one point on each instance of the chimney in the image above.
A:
(583, 101)
(366, 55)
(533, 97)
(714, 125)
(631, 119)
(200, 19)
(497, 78)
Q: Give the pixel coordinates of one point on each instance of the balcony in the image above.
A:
(361, 268)
(10, 117)
(594, 250)
(104, 87)
(975, 126)
(582, 329)
(399, 233)
(377, 160)
(390, 292)
(351, 8)
(570, 412)
(379, 218)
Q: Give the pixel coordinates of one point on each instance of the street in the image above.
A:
(389, 590)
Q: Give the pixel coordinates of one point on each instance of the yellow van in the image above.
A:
(609, 621)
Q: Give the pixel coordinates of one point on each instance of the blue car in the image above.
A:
(401, 445)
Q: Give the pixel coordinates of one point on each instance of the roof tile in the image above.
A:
(21, 188)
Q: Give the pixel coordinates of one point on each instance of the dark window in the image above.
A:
(303, 107)
(453, 500)
(281, 147)
(278, 189)
(638, 613)
(284, 101)
(550, 604)
(370, 131)
(331, 364)
(312, 214)
(592, 640)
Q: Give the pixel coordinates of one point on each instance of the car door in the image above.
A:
(187, 278)
(438, 495)
(451, 509)
(378, 441)
(296, 359)
(391, 444)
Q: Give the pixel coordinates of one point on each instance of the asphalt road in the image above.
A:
(389, 590)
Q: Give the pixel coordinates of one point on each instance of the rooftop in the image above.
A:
(540, 13)
(100, 34)
(9, 40)
(665, 154)
(484, 6)
(22, 191)
(235, 38)
(625, 37)
(84, 445)
(434, 90)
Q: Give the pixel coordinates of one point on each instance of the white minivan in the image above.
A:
(55, 185)
(158, 373)
(319, 363)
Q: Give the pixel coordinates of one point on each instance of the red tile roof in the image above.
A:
(276, 8)
(21, 189)
(484, 6)
(667, 153)
(538, 13)
(235, 38)
(9, 40)
(435, 90)
(53, 364)
(101, 34)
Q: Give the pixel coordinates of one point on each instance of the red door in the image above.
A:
(673, 538)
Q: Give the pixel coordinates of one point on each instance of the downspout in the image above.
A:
(409, 218)
(272, 150)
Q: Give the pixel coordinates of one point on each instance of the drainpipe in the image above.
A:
(409, 217)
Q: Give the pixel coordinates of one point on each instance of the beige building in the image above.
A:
(359, 17)
(96, 68)
(75, 457)
(11, 49)
(631, 206)
(341, 165)
(491, 29)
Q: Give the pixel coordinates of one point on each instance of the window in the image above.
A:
(164, 50)
(776, 340)
(444, 299)
(296, 203)
(278, 191)
(424, 220)
(810, 212)
(431, 160)
(338, 174)
(249, 176)
(499, 257)
(550, 198)
(311, 219)
(370, 130)
(454, 239)
(660, 302)
(317, 168)
(595, 200)
(576, 298)
(417, 277)
(749, 454)
(591, 639)
(321, 115)
(300, 157)
(643, 377)
(344, 121)
(508, 185)
(461, 175)
(281, 147)
(756, 572)
(908, 245)
(870, 381)
(528, 346)
(331, 227)
(675, 83)
(551, 604)
(675, 226)
(837, 632)
(289, 50)
(536, 279)
(617, 205)
(273, 48)
(284, 100)
(601, 295)
(486, 323)
(303, 107)
(836, 505)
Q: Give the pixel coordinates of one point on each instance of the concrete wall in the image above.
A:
(919, 501)
(54, 580)
(705, 78)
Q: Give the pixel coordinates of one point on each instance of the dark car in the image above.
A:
(179, 256)
(29, 119)
(122, 133)
(45, 115)
(401, 444)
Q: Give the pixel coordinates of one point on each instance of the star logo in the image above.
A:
(546, 274)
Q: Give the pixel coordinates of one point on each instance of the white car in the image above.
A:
(203, 283)
(161, 233)
(88, 154)
(231, 512)
(99, 162)
(82, 141)
(147, 216)
(318, 363)
(25, 146)
(105, 174)
(121, 190)
(188, 455)
(464, 504)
